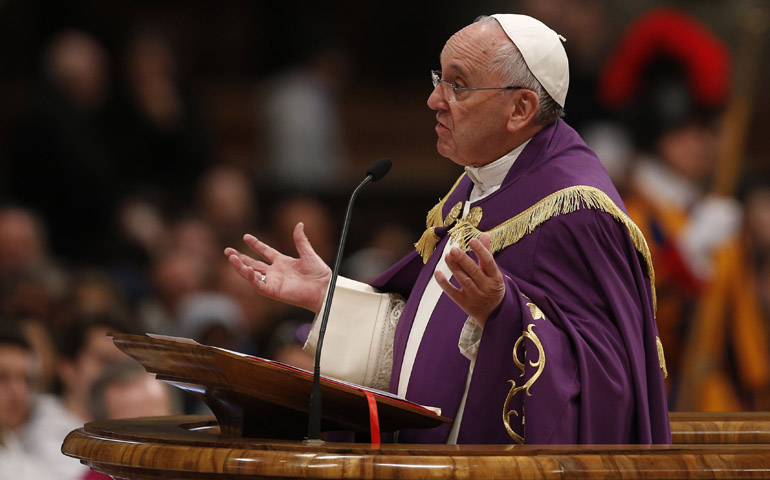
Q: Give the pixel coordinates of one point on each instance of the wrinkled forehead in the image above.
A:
(471, 50)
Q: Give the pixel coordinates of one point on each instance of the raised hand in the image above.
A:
(298, 281)
(481, 284)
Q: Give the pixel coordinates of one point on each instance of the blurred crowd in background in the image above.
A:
(117, 199)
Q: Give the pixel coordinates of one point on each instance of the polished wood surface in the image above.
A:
(720, 427)
(194, 447)
(253, 397)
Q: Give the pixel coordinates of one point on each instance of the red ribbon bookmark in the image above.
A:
(374, 419)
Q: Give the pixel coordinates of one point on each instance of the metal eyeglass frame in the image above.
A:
(436, 78)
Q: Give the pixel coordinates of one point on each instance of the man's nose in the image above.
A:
(436, 100)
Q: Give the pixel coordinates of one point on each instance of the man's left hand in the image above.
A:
(481, 284)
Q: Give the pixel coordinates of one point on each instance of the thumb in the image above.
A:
(301, 241)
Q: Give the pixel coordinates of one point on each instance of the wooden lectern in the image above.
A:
(260, 409)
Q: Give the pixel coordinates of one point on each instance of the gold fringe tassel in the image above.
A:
(426, 244)
(428, 240)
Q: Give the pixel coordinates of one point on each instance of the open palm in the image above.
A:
(298, 281)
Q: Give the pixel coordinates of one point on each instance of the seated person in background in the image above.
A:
(529, 298)
(17, 389)
(85, 350)
(126, 390)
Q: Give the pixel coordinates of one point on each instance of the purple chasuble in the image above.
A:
(571, 354)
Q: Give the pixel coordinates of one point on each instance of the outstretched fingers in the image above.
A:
(245, 260)
(245, 271)
(264, 250)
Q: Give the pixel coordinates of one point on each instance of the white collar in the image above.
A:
(489, 177)
(662, 185)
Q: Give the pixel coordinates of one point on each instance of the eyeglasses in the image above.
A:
(452, 95)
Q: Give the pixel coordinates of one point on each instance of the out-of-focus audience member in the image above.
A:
(141, 233)
(85, 350)
(213, 319)
(94, 292)
(286, 343)
(40, 337)
(227, 201)
(22, 241)
(61, 162)
(163, 147)
(300, 115)
(668, 80)
(126, 390)
(17, 379)
(318, 221)
(30, 294)
(194, 237)
(32, 282)
(32, 285)
(388, 243)
(175, 274)
(258, 311)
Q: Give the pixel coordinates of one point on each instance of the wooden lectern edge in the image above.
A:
(188, 447)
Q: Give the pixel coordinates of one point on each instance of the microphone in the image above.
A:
(378, 169)
(375, 172)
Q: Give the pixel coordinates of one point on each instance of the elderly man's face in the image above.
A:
(472, 129)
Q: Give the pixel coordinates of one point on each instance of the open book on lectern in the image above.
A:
(256, 397)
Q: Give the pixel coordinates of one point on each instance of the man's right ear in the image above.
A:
(525, 107)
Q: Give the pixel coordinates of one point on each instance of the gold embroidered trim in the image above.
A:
(428, 240)
(474, 216)
(562, 202)
(435, 218)
(453, 214)
(661, 357)
(535, 311)
(537, 314)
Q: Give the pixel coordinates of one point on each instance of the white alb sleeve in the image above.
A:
(358, 345)
(470, 338)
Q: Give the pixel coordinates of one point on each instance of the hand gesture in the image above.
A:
(481, 284)
(298, 281)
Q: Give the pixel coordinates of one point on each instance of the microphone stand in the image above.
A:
(314, 415)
